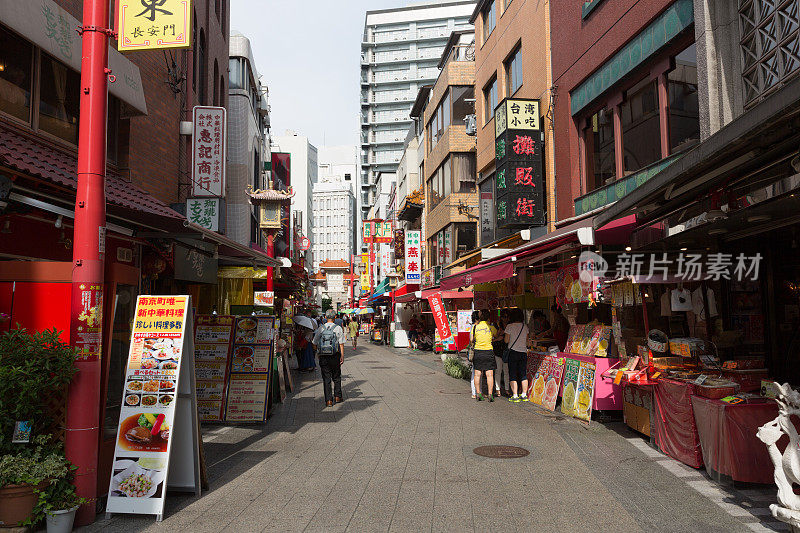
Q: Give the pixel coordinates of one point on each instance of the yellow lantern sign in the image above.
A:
(154, 24)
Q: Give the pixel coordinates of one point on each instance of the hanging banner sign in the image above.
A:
(212, 351)
(159, 410)
(209, 141)
(87, 302)
(154, 24)
(439, 316)
(264, 298)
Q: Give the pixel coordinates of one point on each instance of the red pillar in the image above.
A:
(83, 414)
(270, 253)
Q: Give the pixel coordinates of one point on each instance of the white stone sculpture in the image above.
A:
(787, 464)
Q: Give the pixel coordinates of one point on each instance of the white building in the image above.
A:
(342, 162)
(303, 176)
(400, 51)
(248, 140)
(333, 221)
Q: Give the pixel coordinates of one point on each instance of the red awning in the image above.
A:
(37, 158)
(447, 295)
(486, 273)
(406, 289)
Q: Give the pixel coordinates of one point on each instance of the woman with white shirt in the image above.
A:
(516, 336)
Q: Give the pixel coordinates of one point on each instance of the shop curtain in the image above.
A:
(464, 172)
(234, 291)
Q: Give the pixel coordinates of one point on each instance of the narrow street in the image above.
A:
(397, 455)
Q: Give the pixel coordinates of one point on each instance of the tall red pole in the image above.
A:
(83, 405)
(270, 253)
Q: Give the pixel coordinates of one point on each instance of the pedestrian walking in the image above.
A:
(516, 337)
(483, 361)
(329, 343)
(352, 329)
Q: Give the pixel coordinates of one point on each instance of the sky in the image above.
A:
(308, 54)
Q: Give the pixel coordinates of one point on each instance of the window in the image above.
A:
(490, 99)
(488, 20)
(599, 142)
(464, 172)
(439, 122)
(641, 130)
(462, 108)
(514, 71)
(684, 108)
(237, 74)
(15, 76)
(347, 177)
(769, 45)
(466, 238)
(59, 99)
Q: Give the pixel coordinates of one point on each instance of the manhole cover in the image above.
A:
(501, 452)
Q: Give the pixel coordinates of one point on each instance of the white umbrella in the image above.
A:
(304, 321)
(316, 324)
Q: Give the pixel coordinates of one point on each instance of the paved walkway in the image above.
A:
(397, 456)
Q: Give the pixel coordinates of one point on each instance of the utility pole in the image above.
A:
(83, 404)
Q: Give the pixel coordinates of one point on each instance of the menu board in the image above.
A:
(571, 369)
(535, 360)
(547, 381)
(160, 353)
(250, 369)
(213, 336)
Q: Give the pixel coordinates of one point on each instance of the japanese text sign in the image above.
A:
(204, 212)
(517, 114)
(154, 24)
(209, 133)
(159, 316)
(413, 257)
(439, 315)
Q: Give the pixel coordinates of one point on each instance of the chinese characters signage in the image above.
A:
(204, 212)
(439, 316)
(264, 298)
(517, 114)
(154, 24)
(413, 257)
(209, 131)
(212, 356)
(87, 301)
(377, 232)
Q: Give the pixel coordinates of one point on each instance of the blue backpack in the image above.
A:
(328, 340)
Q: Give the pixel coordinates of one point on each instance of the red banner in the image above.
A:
(439, 316)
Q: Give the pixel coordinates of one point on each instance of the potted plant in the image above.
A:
(23, 476)
(59, 501)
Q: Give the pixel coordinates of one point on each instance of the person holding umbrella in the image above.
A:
(304, 335)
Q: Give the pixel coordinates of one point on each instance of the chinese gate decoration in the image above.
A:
(209, 131)
(519, 178)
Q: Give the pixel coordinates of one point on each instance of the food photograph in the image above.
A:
(137, 478)
(144, 432)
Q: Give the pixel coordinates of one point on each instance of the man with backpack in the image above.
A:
(329, 343)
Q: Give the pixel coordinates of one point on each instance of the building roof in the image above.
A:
(317, 276)
(333, 264)
(421, 101)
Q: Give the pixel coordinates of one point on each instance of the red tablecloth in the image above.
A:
(676, 432)
(728, 438)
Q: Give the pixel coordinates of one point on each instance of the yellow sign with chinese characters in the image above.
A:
(364, 282)
(154, 24)
(517, 114)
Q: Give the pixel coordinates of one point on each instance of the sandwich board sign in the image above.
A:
(158, 442)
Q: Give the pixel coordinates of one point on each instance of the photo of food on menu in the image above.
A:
(161, 353)
(137, 477)
(145, 432)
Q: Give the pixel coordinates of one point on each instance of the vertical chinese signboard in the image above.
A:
(413, 257)
(159, 410)
(209, 133)
(204, 212)
(212, 350)
(88, 298)
(250, 369)
(519, 179)
(154, 24)
(439, 316)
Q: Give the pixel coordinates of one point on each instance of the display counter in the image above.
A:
(676, 432)
(607, 395)
(637, 407)
(728, 438)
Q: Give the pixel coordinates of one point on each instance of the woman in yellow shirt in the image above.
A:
(482, 334)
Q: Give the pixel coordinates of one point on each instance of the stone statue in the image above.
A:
(787, 464)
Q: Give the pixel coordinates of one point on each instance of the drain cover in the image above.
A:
(501, 452)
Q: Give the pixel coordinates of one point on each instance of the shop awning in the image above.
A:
(447, 295)
(493, 271)
(383, 290)
(232, 248)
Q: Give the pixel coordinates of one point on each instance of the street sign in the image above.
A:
(154, 24)
(209, 141)
(305, 243)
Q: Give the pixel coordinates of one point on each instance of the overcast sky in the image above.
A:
(308, 55)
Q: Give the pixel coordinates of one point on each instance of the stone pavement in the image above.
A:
(397, 456)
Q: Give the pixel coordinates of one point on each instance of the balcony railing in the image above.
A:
(461, 52)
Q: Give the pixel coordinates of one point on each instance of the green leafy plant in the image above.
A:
(32, 465)
(453, 367)
(60, 495)
(33, 367)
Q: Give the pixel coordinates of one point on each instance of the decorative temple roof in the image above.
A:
(269, 194)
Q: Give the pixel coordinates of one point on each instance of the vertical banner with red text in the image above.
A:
(439, 316)
(87, 300)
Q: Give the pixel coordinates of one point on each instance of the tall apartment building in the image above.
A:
(400, 50)
(248, 140)
(303, 171)
(333, 224)
(342, 162)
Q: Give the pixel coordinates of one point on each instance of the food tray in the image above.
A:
(716, 389)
